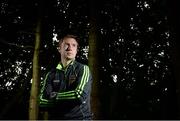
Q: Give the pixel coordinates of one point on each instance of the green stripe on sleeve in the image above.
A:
(43, 88)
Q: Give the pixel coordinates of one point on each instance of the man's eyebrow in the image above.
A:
(66, 43)
(70, 43)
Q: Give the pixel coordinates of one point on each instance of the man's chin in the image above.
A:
(70, 58)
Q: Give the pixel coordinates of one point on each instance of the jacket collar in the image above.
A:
(60, 66)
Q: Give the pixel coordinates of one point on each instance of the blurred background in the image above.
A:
(131, 46)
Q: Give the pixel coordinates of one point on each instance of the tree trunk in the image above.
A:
(33, 103)
(93, 64)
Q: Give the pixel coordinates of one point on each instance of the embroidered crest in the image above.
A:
(72, 78)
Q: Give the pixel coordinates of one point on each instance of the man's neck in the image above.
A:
(65, 63)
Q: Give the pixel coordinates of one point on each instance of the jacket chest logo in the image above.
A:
(72, 78)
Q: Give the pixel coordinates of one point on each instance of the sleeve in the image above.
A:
(82, 91)
(45, 91)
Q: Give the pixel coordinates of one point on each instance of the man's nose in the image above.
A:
(69, 48)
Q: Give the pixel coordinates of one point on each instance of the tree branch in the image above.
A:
(15, 45)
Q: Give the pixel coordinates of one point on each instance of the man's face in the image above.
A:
(68, 49)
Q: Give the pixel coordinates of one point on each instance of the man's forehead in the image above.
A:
(69, 40)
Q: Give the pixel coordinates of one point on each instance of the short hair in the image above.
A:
(69, 36)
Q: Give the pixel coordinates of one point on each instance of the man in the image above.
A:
(66, 90)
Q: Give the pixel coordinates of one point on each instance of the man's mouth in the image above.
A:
(69, 53)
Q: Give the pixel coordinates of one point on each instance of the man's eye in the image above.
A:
(74, 45)
(65, 46)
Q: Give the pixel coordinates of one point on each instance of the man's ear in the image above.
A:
(59, 49)
(78, 48)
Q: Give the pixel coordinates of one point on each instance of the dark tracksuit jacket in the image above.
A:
(66, 92)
